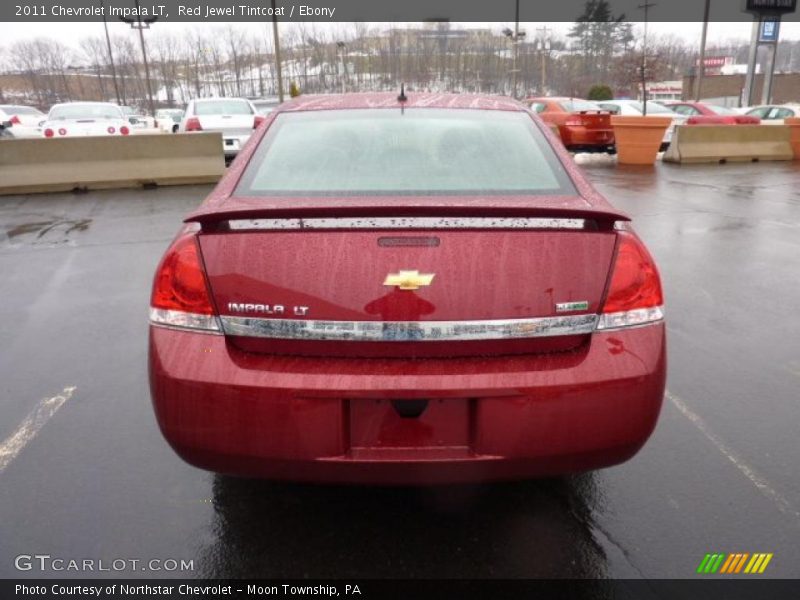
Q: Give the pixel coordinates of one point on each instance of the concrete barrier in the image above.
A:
(64, 164)
(723, 143)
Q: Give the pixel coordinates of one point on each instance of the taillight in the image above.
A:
(14, 120)
(62, 131)
(124, 130)
(573, 122)
(258, 121)
(180, 292)
(193, 124)
(634, 294)
(49, 132)
(111, 130)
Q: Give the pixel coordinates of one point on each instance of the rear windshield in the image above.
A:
(19, 110)
(416, 152)
(85, 111)
(722, 110)
(653, 108)
(222, 107)
(577, 105)
(175, 115)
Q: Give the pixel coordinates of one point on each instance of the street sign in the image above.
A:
(769, 30)
(763, 7)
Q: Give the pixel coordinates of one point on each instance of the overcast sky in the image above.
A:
(70, 33)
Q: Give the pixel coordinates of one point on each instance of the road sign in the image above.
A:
(770, 6)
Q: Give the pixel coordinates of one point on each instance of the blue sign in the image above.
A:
(770, 27)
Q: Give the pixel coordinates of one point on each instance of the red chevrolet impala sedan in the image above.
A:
(406, 290)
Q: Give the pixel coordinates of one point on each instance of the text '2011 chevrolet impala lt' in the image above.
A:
(406, 290)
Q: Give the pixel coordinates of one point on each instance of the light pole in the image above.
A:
(277, 44)
(544, 39)
(341, 46)
(141, 24)
(110, 53)
(646, 6)
(515, 37)
(701, 67)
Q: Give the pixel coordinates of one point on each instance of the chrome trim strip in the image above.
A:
(408, 223)
(405, 331)
(631, 318)
(176, 319)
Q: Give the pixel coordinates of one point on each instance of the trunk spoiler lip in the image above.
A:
(418, 206)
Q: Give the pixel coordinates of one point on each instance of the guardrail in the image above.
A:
(83, 163)
(723, 143)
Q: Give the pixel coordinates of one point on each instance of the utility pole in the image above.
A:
(341, 46)
(544, 39)
(110, 54)
(701, 67)
(646, 6)
(515, 36)
(141, 24)
(516, 46)
(277, 45)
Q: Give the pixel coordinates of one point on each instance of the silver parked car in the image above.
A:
(235, 118)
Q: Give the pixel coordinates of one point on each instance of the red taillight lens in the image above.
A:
(193, 124)
(258, 121)
(180, 282)
(573, 122)
(62, 131)
(111, 130)
(124, 130)
(634, 282)
(15, 120)
(49, 133)
(634, 296)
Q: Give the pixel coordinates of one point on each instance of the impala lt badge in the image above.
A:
(266, 309)
(408, 280)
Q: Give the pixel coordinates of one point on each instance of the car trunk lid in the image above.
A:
(408, 286)
(228, 124)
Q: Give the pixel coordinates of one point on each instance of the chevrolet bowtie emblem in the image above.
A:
(408, 280)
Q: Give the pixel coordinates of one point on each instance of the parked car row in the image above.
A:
(585, 126)
(234, 118)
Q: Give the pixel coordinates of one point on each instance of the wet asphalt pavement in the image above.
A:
(720, 474)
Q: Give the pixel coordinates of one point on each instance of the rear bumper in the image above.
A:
(582, 139)
(332, 420)
(231, 144)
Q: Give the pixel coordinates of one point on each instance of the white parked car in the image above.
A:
(634, 108)
(168, 120)
(235, 118)
(773, 114)
(85, 118)
(24, 120)
(138, 120)
(264, 106)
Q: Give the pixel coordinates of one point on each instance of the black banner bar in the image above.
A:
(223, 11)
(739, 588)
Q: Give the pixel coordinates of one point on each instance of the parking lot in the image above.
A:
(95, 480)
